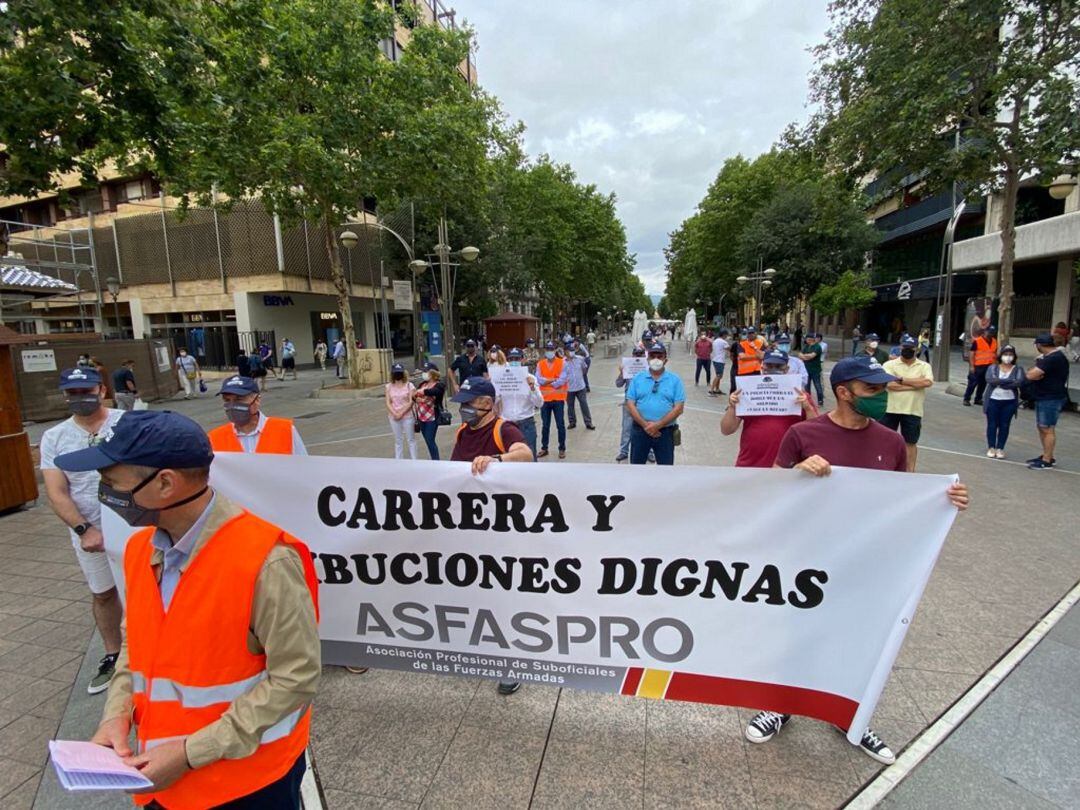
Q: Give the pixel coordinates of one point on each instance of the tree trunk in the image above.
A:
(1008, 230)
(341, 286)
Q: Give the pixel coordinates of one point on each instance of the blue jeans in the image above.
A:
(549, 409)
(528, 430)
(627, 425)
(815, 381)
(1047, 411)
(428, 431)
(976, 383)
(581, 397)
(999, 416)
(707, 366)
(663, 446)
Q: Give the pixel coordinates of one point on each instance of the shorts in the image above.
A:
(288, 363)
(909, 424)
(1047, 412)
(718, 368)
(95, 567)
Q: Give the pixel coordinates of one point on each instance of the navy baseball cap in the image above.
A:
(394, 369)
(472, 388)
(646, 335)
(494, 347)
(530, 342)
(79, 378)
(241, 386)
(908, 342)
(863, 368)
(872, 336)
(550, 346)
(157, 439)
(1045, 339)
(775, 358)
(658, 348)
(638, 351)
(429, 366)
(470, 342)
(991, 330)
(514, 353)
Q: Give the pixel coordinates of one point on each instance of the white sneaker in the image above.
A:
(1000, 453)
(873, 747)
(991, 453)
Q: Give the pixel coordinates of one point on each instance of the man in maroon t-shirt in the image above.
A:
(845, 437)
(761, 435)
(482, 439)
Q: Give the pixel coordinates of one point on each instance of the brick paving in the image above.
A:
(397, 740)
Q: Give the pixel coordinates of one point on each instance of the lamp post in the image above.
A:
(943, 327)
(1062, 186)
(760, 280)
(113, 285)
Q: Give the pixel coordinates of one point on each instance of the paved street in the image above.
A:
(398, 740)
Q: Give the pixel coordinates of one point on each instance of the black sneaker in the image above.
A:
(873, 747)
(590, 427)
(765, 725)
(1053, 461)
(1039, 464)
(968, 404)
(106, 669)
(619, 459)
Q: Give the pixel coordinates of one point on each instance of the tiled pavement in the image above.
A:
(396, 740)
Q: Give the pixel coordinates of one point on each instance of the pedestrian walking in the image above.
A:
(248, 429)
(257, 369)
(856, 336)
(720, 354)
(340, 359)
(220, 622)
(188, 372)
(812, 355)
(520, 407)
(655, 399)
(1001, 400)
(844, 437)
(906, 397)
(761, 435)
(125, 391)
(73, 496)
(551, 374)
(703, 353)
(288, 358)
(577, 390)
(1047, 384)
(243, 364)
(924, 344)
(428, 406)
(984, 352)
(399, 409)
(321, 350)
(266, 354)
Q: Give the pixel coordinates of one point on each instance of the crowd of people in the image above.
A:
(151, 467)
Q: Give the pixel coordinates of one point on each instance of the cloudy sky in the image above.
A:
(647, 98)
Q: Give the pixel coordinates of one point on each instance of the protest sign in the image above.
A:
(768, 395)
(599, 585)
(632, 366)
(508, 379)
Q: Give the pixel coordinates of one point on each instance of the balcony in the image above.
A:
(1056, 237)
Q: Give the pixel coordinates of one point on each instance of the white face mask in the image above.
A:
(873, 344)
(1008, 359)
(427, 376)
(656, 364)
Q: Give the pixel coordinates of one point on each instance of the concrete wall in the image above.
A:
(293, 320)
(1057, 236)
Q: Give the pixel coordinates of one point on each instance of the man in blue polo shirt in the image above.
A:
(655, 400)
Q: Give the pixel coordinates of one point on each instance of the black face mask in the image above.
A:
(123, 502)
(907, 354)
(84, 405)
(471, 416)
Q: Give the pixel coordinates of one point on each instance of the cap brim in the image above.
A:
(877, 378)
(85, 460)
(71, 386)
(464, 396)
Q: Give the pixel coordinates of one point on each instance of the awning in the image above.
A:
(25, 279)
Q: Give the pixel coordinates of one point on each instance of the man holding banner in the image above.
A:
(846, 438)
(221, 657)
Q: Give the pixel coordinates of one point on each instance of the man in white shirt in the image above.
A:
(520, 407)
(340, 359)
(187, 371)
(721, 353)
(74, 498)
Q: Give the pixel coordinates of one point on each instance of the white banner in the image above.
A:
(509, 379)
(38, 360)
(799, 604)
(632, 366)
(403, 297)
(768, 395)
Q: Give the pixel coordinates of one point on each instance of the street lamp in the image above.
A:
(761, 280)
(113, 285)
(1062, 186)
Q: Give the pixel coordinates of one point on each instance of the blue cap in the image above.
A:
(397, 367)
(515, 352)
(658, 348)
(428, 366)
(908, 342)
(872, 336)
(646, 335)
(241, 386)
(530, 342)
(157, 439)
(1045, 339)
(79, 378)
(569, 342)
(472, 388)
(470, 342)
(775, 358)
(550, 346)
(864, 368)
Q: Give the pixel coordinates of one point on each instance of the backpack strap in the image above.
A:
(457, 433)
(498, 434)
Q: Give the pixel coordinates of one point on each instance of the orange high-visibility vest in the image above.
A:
(189, 664)
(748, 360)
(985, 351)
(551, 369)
(276, 437)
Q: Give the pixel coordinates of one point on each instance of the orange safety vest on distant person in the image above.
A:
(748, 360)
(190, 663)
(276, 437)
(985, 351)
(550, 370)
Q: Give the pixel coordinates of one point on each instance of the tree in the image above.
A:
(850, 291)
(900, 81)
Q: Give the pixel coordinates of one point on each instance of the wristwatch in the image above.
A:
(498, 457)
(81, 529)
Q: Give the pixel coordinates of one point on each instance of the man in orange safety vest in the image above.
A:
(249, 430)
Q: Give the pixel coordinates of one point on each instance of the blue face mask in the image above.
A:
(515, 362)
(549, 355)
(785, 347)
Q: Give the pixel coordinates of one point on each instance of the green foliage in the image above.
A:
(850, 291)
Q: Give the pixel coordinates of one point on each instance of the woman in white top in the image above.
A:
(1001, 400)
(399, 408)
